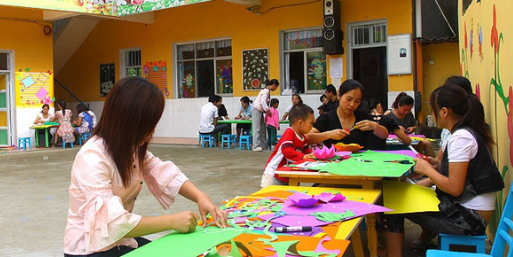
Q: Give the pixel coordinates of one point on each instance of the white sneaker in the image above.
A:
(258, 149)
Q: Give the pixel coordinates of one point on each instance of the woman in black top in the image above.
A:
(346, 124)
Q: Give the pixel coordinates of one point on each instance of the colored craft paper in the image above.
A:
(329, 197)
(28, 81)
(295, 220)
(324, 153)
(343, 153)
(41, 93)
(155, 72)
(370, 164)
(302, 200)
(410, 135)
(191, 244)
(408, 198)
(401, 152)
(358, 208)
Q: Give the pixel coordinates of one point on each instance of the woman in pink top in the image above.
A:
(108, 173)
(65, 130)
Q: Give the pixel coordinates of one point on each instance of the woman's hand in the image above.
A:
(423, 167)
(366, 125)
(410, 130)
(184, 222)
(308, 156)
(338, 134)
(206, 206)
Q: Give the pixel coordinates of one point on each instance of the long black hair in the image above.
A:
(62, 103)
(369, 104)
(402, 99)
(467, 106)
(132, 110)
(349, 85)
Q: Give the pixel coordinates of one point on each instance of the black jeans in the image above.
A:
(116, 251)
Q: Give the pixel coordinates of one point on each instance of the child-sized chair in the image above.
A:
(502, 236)
(447, 240)
(207, 138)
(83, 137)
(228, 139)
(64, 144)
(245, 139)
(24, 141)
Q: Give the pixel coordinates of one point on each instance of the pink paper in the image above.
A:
(343, 153)
(302, 200)
(410, 135)
(358, 208)
(294, 220)
(324, 153)
(329, 197)
(403, 152)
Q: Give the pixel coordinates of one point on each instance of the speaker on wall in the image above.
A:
(332, 35)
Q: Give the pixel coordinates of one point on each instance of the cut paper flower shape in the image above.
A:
(302, 200)
(329, 197)
(324, 153)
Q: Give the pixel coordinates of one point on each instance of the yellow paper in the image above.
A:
(408, 198)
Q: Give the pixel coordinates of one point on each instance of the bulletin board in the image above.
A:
(255, 68)
(399, 54)
(107, 78)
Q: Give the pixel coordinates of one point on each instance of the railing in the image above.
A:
(64, 93)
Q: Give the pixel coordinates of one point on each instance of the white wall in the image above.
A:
(24, 120)
(181, 116)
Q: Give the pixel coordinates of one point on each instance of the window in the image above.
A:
(304, 62)
(131, 63)
(369, 34)
(204, 68)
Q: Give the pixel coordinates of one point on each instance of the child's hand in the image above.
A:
(206, 206)
(410, 130)
(308, 156)
(422, 166)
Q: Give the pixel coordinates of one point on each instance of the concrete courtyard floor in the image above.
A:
(34, 192)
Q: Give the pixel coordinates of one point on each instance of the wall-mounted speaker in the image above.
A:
(332, 35)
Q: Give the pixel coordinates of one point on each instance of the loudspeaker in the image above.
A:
(332, 35)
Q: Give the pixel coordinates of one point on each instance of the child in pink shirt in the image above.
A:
(272, 122)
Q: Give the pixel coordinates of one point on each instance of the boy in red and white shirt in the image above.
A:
(292, 146)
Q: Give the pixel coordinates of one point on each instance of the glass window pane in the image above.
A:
(3, 100)
(4, 61)
(205, 49)
(316, 70)
(186, 80)
(185, 52)
(133, 71)
(205, 71)
(3, 137)
(224, 76)
(224, 47)
(303, 39)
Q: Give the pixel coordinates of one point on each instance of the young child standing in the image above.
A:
(292, 145)
(272, 123)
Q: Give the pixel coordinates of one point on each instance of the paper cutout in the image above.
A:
(370, 164)
(343, 153)
(302, 200)
(191, 244)
(330, 197)
(408, 198)
(28, 81)
(324, 153)
(332, 217)
(41, 93)
(358, 208)
(401, 152)
(297, 220)
(155, 72)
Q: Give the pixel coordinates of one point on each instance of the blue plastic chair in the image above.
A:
(24, 141)
(228, 139)
(447, 240)
(207, 138)
(245, 139)
(502, 236)
(64, 144)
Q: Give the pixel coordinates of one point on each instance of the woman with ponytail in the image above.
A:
(466, 179)
(65, 129)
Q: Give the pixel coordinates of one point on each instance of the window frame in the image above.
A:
(122, 61)
(215, 58)
(305, 51)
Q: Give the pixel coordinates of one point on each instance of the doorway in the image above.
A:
(370, 69)
(5, 98)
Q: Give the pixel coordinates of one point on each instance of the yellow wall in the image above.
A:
(22, 32)
(219, 19)
(487, 64)
(440, 61)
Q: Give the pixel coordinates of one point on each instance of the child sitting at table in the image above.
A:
(84, 122)
(292, 145)
(272, 123)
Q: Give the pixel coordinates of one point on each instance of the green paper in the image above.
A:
(185, 245)
(332, 217)
(370, 164)
(281, 248)
(233, 253)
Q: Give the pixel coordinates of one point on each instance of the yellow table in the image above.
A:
(298, 177)
(348, 229)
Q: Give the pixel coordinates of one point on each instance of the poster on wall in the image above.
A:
(399, 54)
(156, 73)
(255, 69)
(33, 89)
(107, 78)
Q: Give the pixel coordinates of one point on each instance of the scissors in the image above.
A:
(421, 156)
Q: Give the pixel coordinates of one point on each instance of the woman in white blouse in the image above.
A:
(108, 173)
